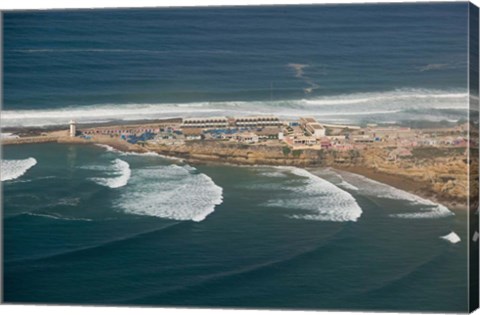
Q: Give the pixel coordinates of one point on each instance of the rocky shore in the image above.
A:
(439, 176)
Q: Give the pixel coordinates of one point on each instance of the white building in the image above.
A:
(312, 126)
(316, 130)
(247, 137)
(73, 128)
(208, 122)
(304, 140)
(257, 121)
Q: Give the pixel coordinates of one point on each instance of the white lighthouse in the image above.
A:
(73, 128)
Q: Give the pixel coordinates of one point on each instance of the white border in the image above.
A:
(6, 5)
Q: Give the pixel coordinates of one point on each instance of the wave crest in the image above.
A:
(370, 187)
(324, 199)
(171, 192)
(452, 237)
(123, 172)
(344, 107)
(13, 169)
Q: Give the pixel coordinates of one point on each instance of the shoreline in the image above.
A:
(404, 183)
(395, 174)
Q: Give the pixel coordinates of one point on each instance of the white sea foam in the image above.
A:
(7, 135)
(347, 185)
(401, 97)
(95, 113)
(370, 187)
(12, 169)
(434, 66)
(121, 171)
(149, 153)
(326, 201)
(452, 237)
(107, 147)
(273, 174)
(56, 216)
(171, 192)
(378, 105)
(155, 154)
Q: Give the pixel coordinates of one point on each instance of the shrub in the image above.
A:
(297, 153)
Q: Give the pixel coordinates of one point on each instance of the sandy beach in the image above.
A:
(421, 189)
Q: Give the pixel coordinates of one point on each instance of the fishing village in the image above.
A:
(431, 162)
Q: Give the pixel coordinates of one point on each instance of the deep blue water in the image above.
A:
(272, 58)
(277, 238)
(87, 225)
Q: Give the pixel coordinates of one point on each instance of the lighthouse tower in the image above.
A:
(73, 128)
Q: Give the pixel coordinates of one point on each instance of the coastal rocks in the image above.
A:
(214, 151)
(26, 140)
(442, 175)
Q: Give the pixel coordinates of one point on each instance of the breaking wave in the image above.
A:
(344, 107)
(122, 171)
(347, 185)
(13, 169)
(344, 183)
(171, 192)
(452, 237)
(326, 201)
(149, 153)
(106, 147)
(370, 187)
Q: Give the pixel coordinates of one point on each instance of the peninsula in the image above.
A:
(429, 162)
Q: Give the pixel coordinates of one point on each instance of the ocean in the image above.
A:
(339, 63)
(86, 224)
(90, 225)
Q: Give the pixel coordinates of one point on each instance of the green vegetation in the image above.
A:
(297, 153)
(286, 150)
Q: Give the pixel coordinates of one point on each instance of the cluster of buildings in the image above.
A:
(231, 122)
(306, 132)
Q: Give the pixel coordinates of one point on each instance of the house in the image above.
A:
(208, 122)
(325, 143)
(312, 127)
(257, 121)
(193, 134)
(315, 129)
(304, 140)
(303, 121)
(247, 137)
(269, 133)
